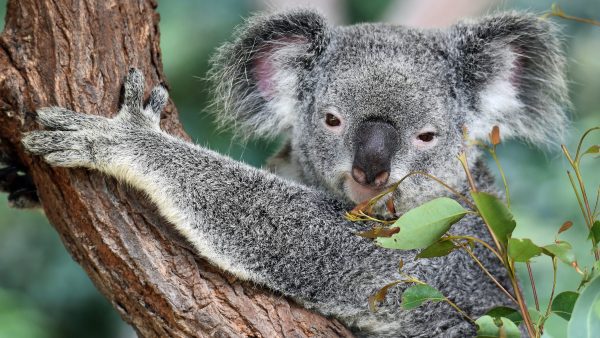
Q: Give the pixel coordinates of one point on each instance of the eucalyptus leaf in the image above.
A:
(379, 296)
(563, 304)
(522, 250)
(562, 250)
(566, 226)
(416, 295)
(437, 249)
(424, 225)
(487, 328)
(595, 149)
(496, 215)
(507, 312)
(585, 319)
(511, 330)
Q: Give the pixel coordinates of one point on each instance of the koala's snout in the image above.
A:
(375, 143)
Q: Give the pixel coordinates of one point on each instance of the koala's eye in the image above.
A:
(332, 120)
(426, 137)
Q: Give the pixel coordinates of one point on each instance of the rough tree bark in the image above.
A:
(75, 54)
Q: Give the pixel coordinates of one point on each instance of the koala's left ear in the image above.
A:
(514, 66)
(259, 76)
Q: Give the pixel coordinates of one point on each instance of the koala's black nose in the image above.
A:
(374, 146)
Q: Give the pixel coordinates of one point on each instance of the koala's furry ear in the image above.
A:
(514, 64)
(257, 77)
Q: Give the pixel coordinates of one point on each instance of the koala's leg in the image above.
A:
(15, 181)
(262, 228)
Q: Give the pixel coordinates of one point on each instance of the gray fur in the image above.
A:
(292, 237)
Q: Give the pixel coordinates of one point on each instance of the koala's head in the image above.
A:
(364, 105)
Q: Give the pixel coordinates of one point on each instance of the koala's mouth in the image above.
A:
(358, 193)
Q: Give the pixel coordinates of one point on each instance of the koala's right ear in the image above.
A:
(257, 77)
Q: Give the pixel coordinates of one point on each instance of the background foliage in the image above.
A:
(43, 293)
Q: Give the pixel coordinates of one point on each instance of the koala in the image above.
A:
(360, 107)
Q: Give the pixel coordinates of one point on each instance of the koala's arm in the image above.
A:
(285, 236)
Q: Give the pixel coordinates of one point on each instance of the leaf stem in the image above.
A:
(458, 309)
(521, 301)
(532, 280)
(578, 198)
(596, 204)
(587, 212)
(463, 161)
(585, 134)
(553, 286)
(487, 272)
(480, 241)
(556, 11)
(507, 191)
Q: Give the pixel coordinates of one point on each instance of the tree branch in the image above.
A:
(75, 54)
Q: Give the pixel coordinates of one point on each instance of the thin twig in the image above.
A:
(507, 192)
(596, 204)
(480, 241)
(587, 213)
(486, 271)
(463, 313)
(556, 11)
(463, 161)
(577, 153)
(521, 301)
(535, 295)
(578, 198)
(553, 285)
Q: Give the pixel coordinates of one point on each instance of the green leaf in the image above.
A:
(522, 250)
(511, 330)
(595, 149)
(562, 250)
(424, 225)
(585, 319)
(437, 249)
(563, 304)
(506, 312)
(416, 295)
(487, 328)
(496, 215)
(595, 232)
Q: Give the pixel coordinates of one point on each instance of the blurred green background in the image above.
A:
(43, 293)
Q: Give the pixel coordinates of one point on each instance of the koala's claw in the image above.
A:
(80, 140)
(58, 118)
(132, 103)
(21, 190)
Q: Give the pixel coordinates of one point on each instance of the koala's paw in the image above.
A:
(79, 140)
(19, 186)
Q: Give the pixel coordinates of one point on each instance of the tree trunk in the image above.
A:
(75, 54)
